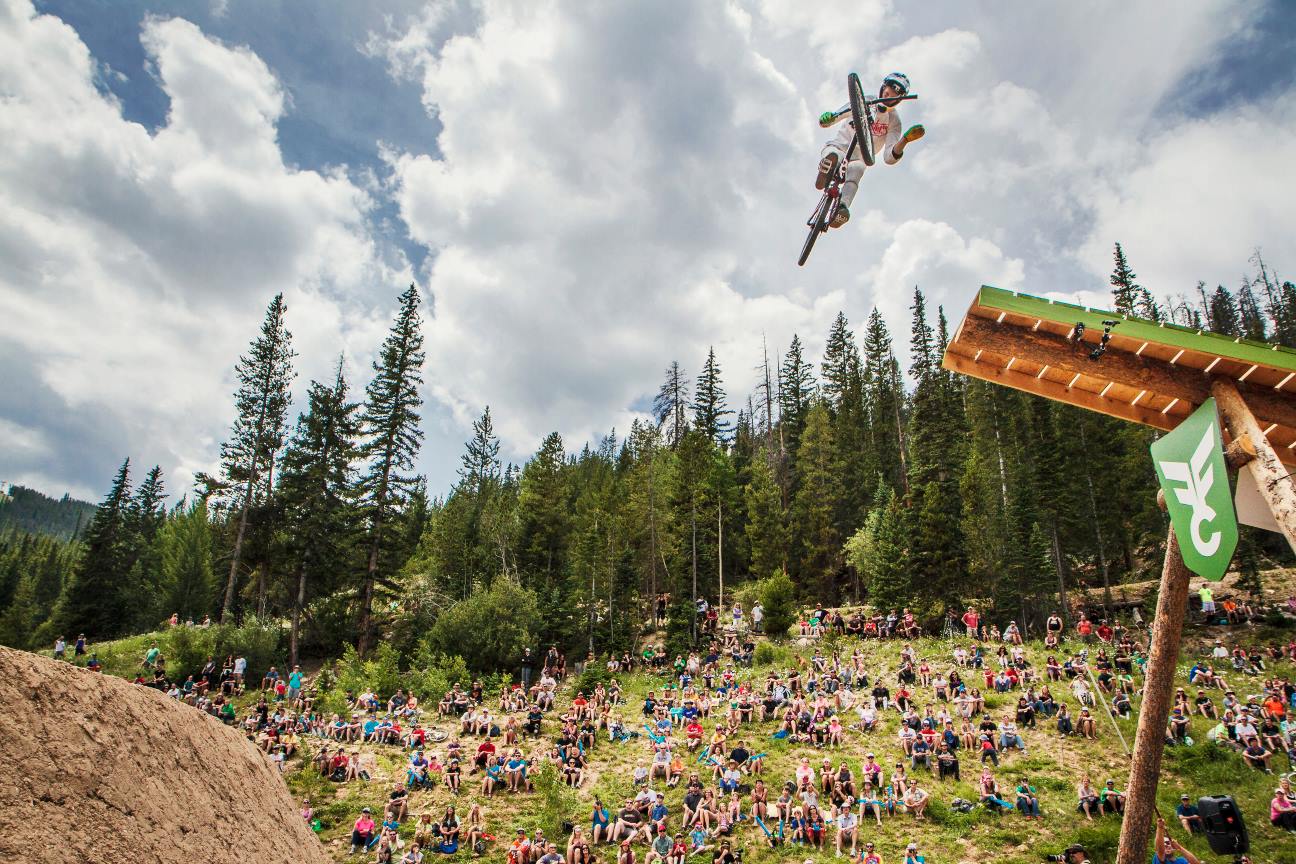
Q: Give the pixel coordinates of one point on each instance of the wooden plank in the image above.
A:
(1159, 378)
(1119, 408)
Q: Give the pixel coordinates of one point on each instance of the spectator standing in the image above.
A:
(1207, 601)
(528, 666)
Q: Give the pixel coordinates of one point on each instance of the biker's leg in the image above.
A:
(833, 153)
(854, 171)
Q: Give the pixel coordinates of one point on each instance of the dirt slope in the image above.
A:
(97, 770)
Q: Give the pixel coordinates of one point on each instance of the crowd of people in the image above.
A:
(701, 782)
(703, 786)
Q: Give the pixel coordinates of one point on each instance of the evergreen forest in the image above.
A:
(841, 479)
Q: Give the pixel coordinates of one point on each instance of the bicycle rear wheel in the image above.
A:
(820, 220)
(862, 116)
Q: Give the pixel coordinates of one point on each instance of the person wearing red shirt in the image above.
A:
(1105, 631)
(694, 733)
(1085, 629)
(485, 751)
(972, 621)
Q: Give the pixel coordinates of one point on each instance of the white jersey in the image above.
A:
(886, 131)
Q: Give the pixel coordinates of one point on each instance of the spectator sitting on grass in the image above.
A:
(1282, 811)
(1189, 818)
(1257, 755)
(362, 833)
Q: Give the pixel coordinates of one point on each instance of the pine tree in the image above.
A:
(922, 364)
(936, 421)
(318, 496)
(670, 407)
(936, 552)
(884, 402)
(543, 510)
(544, 513)
(390, 422)
(1252, 317)
(815, 507)
(97, 598)
(479, 480)
(766, 522)
(885, 565)
(19, 619)
(261, 402)
(1125, 291)
(1222, 314)
(796, 386)
(709, 408)
(186, 546)
(146, 516)
(650, 521)
(840, 363)
(480, 464)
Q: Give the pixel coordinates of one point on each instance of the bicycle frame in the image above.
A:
(832, 192)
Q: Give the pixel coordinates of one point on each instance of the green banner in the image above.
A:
(1190, 464)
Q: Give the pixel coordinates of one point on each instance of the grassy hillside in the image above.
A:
(1053, 766)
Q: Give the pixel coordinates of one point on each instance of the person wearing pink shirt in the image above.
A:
(1282, 812)
(363, 832)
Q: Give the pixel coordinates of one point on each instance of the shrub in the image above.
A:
(778, 597)
(188, 650)
(256, 640)
(431, 673)
(590, 677)
(557, 801)
(490, 628)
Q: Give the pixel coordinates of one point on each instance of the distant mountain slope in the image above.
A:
(23, 509)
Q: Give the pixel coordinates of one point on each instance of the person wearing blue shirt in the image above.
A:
(912, 856)
(1167, 850)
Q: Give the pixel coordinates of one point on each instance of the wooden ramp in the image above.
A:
(1142, 372)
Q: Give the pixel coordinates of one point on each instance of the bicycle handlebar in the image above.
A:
(837, 115)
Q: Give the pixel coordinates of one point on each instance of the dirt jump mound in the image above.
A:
(95, 769)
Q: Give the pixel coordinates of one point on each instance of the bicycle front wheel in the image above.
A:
(862, 116)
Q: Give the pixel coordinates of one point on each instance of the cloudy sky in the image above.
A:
(585, 191)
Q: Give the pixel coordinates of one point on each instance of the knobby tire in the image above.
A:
(825, 206)
(862, 117)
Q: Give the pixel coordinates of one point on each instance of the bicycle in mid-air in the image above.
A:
(861, 110)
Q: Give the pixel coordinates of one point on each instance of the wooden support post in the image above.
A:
(1158, 691)
(1276, 483)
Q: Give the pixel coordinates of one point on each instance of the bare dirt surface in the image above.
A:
(96, 770)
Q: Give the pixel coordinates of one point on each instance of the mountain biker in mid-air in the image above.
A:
(887, 140)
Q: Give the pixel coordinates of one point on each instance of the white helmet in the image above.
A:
(898, 80)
